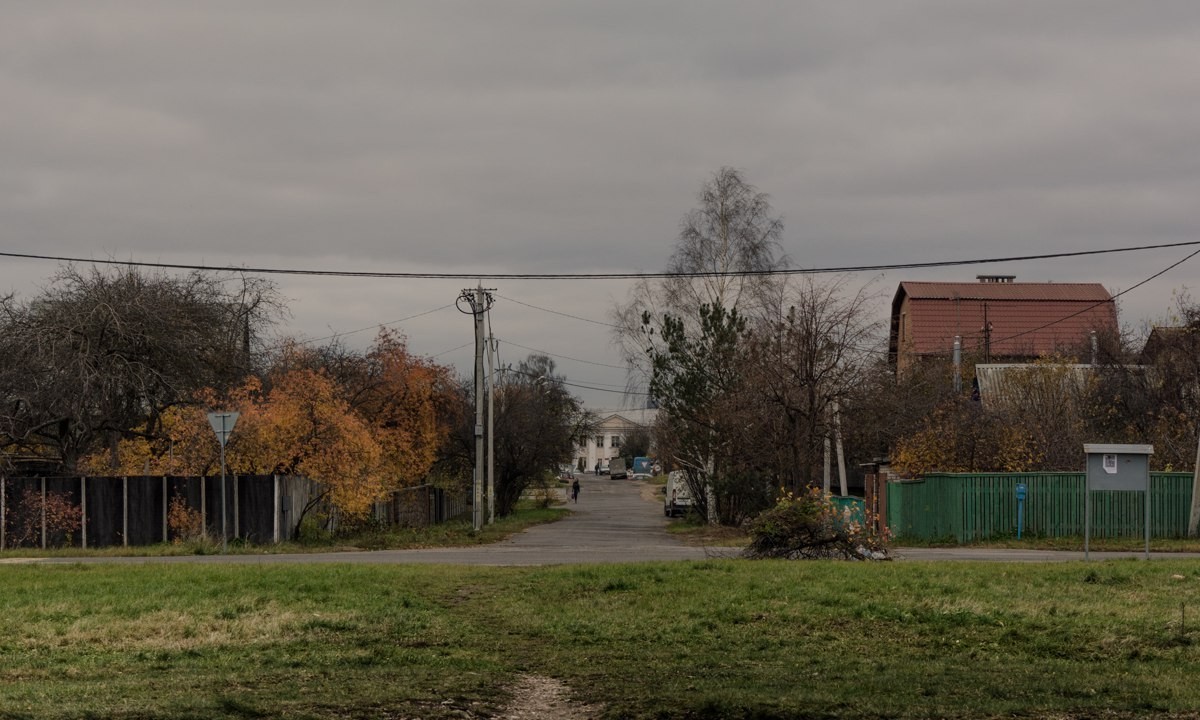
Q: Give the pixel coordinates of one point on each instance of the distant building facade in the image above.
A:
(998, 320)
(610, 433)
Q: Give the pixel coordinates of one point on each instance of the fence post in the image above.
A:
(164, 518)
(83, 506)
(275, 511)
(204, 506)
(43, 513)
(236, 525)
(3, 510)
(125, 510)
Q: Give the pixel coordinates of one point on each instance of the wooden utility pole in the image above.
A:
(841, 455)
(477, 505)
(480, 301)
(1194, 517)
(491, 427)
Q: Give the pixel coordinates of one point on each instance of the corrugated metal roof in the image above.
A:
(1028, 384)
(1014, 384)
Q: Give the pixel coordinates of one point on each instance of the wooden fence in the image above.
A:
(134, 510)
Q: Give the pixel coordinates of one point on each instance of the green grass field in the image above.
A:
(690, 640)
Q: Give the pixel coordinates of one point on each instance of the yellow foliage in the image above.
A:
(305, 425)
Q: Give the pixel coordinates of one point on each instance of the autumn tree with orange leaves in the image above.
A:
(360, 427)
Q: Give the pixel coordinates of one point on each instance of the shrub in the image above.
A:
(544, 490)
(186, 523)
(809, 525)
(63, 518)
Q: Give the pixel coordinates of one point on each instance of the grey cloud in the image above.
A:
(551, 136)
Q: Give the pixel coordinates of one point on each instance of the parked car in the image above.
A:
(677, 495)
(603, 467)
(616, 468)
(566, 472)
(643, 468)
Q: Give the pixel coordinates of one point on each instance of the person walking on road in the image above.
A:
(575, 491)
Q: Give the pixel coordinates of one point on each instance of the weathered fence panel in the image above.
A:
(981, 506)
(419, 506)
(134, 510)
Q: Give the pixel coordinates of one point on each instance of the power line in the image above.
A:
(561, 381)
(447, 352)
(556, 312)
(1093, 306)
(378, 325)
(564, 357)
(594, 276)
(600, 389)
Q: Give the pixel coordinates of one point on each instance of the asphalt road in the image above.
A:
(613, 522)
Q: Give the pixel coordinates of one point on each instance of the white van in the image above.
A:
(677, 496)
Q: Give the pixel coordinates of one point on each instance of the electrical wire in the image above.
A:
(564, 357)
(556, 312)
(595, 276)
(447, 352)
(578, 385)
(373, 327)
(1093, 306)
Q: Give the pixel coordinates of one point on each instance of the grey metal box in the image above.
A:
(1118, 467)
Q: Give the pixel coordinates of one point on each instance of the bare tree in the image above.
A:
(807, 363)
(538, 425)
(100, 353)
(724, 255)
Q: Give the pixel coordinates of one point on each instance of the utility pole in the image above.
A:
(841, 455)
(987, 335)
(958, 363)
(491, 428)
(480, 301)
(1194, 516)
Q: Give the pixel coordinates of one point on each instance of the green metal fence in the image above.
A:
(981, 506)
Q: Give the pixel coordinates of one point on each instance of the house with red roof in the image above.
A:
(997, 319)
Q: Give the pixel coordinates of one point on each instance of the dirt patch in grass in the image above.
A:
(537, 697)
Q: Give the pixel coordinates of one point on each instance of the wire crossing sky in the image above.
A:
(597, 275)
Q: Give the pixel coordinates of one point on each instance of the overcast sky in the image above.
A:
(563, 137)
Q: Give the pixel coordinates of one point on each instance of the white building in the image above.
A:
(611, 430)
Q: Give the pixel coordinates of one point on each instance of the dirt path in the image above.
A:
(537, 697)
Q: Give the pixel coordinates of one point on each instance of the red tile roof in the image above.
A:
(1027, 319)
